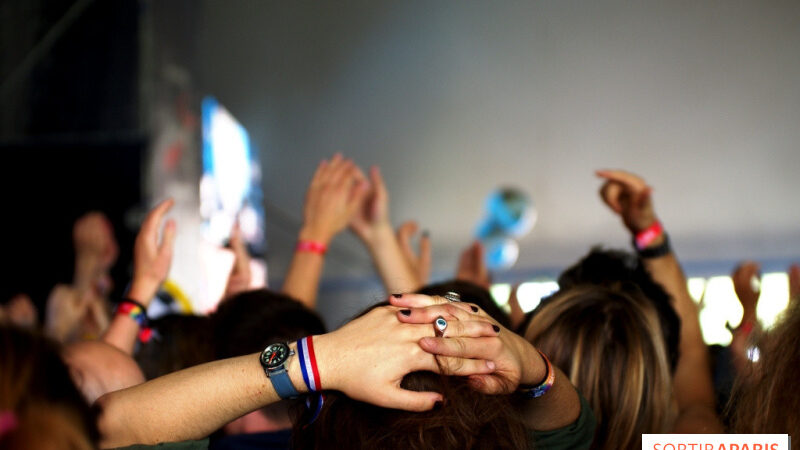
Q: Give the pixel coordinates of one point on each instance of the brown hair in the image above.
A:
(610, 346)
(36, 388)
(765, 398)
(467, 420)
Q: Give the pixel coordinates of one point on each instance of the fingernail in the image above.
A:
(474, 308)
(438, 405)
(496, 328)
(405, 312)
(425, 233)
(397, 295)
(491, 365)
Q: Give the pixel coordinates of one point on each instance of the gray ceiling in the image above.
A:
(453, 99)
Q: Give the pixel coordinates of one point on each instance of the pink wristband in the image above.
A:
(311, 246)
(648, 235)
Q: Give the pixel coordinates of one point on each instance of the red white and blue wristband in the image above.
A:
(308, 365)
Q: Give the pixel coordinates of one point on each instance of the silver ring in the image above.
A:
(452, 296)
(439, 326)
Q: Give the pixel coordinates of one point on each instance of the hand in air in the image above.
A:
(373, 213)
(420, 262)
(629, 196)
(152, 259)
(334, 196)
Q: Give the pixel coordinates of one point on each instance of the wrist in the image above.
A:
(379, 234)
(534, 368)
(143, 291)
(309, 233)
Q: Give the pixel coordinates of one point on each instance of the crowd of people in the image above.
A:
(615, 353)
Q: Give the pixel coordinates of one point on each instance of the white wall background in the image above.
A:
(454, 98)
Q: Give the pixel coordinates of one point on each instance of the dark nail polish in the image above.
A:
(437, 406)
(405, 312)
(397, 295)
(496, 328)
(426, 233)
(474, 308)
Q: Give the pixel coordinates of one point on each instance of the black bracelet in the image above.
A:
(654, 252)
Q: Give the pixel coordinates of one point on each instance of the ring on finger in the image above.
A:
(439, 325)
(452, 296)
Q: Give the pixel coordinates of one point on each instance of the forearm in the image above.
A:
(305, 271)
(397, 275)
(188, 404)
(692, 378)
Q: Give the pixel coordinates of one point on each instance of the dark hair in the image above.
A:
(624, 272)
(179, 341)
(36, 387)
(248, 322)
(765, 398)
(470, 293)
(466, 420)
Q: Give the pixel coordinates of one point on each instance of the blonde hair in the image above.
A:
(611, 347)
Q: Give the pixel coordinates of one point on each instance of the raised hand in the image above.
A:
(474, 336)
(239, 278)
(746, 282)
(152, 259)
(420, 262)
(629, 196)
(472, 266)
(373, 213)
(333, 198)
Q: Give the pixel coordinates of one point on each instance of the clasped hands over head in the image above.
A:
(368, 357)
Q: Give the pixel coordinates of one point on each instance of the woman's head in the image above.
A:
(611, 347)
(466, 420)
(765, 398)
(42, 407)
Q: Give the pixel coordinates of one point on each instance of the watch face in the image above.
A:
(275, 355)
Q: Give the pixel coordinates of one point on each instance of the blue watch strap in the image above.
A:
(282, 384)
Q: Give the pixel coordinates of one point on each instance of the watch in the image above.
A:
(273, 360)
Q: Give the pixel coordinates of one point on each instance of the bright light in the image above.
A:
(500, 293)
(774, 298)
(529, 295)
(697, 287)
(720, 305)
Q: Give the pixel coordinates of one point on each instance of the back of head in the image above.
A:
(179, 341)
(765, 399)
(41, 406)
(471, 293)
(466, 420)
(624, 272)
(609, 344)
(248, 322)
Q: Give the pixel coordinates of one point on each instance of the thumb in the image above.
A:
(400, 398)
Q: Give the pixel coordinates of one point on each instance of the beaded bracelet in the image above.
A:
(137, 312)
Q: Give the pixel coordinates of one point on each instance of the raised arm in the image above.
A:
(239, 278)
(372, 225)
(366, 359)
(333, 197)
(630, 197)
(151, 263)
